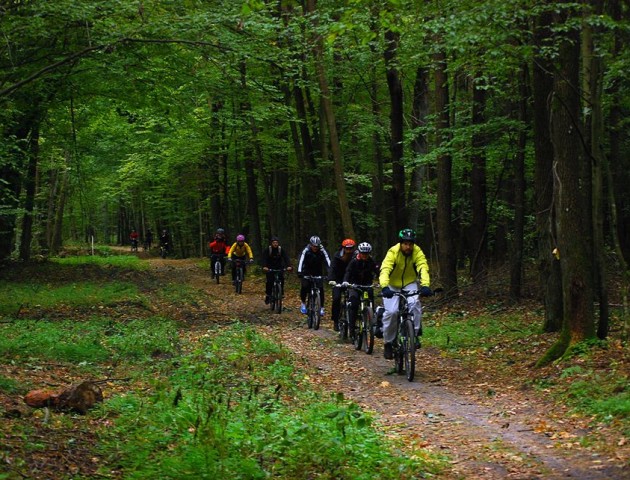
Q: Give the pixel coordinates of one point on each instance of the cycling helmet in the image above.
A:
(407, 235)
(364, 247)
(348, 242)
(240, 238)
(315, 241)
(220, 231)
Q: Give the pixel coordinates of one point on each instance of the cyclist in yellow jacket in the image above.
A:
(401, 268)
(242, 251)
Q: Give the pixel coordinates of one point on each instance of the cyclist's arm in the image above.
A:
(249, 251)
(422, 267)
(386, 268)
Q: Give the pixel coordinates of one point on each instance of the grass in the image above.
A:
(237, 407)
(130, 262)
(14, 296)
(97, 340)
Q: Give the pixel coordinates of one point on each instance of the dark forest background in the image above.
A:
(497, 129)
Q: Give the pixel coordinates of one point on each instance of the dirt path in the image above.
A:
(488, 427)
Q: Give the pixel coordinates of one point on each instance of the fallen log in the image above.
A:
(76, 398)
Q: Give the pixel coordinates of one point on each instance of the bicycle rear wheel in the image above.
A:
(343, 321)
(409, 348)
(368, 330)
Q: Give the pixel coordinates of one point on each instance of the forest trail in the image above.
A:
(489, 426)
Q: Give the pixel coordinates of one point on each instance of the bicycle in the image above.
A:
(404, 344)
(364, 328)
(217, 266)
(163, 250)
(344, 311)
(277, 293)
(314, 302)
(134, 245)
(239, 266)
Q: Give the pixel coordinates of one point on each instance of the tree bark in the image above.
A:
(396, 129)
(331, 123)
(573, 203)
(447, 257)
(548, 264)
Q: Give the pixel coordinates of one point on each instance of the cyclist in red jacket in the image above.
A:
(218, 250)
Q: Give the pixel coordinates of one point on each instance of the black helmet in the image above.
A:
(407, 235)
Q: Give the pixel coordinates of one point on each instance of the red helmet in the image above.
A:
(348, 243)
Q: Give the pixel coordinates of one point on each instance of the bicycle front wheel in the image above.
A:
(368, 330)
(239, 281)
(217, 270)
(277, 296)
(409, 348)
(310, 309)
(317, 311)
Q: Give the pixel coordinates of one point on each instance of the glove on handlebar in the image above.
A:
(425, 292)
(387, 292)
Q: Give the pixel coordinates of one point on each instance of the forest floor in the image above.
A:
(482, 413)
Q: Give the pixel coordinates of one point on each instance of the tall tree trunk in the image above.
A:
(419, 113)
(573, 203)
(331, 123)
(594, 133)
(447, 257)
(549, 265)
(396, 129)
(479, 224)
(30, 188)
(516, 256)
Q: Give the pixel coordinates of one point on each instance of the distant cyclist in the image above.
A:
(133, 238)
(274, 258)
(240, 250)
(218, 249)
(314, 261)
(338, 266)
(403, 264)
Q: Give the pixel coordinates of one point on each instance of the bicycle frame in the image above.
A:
(240, 274)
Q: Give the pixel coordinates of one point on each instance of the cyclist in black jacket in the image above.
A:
(314, 261)
(338, 266)
(361, 271)
(274, 258)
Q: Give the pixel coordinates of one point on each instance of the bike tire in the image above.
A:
(358, 334)
(277, 296)
(409, 349)
(217, 271)
(309, 310)
(368, 330)
(239, 281)
(317, 308)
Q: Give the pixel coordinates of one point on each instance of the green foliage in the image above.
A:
(238, 408)
(8, 385)
(14, 296)
(95, 341)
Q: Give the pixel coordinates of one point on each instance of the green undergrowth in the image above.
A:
(16, 296)
(591, 378)
(130, 262)
(237, 407)
(87, 343)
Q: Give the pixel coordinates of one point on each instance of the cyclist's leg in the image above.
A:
(336, 306)
(415, 307)
(389, 318)
(353, 308)
(320, 284)
(268, 286)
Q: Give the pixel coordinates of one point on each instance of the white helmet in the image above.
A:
(315, 241)
(364, 247)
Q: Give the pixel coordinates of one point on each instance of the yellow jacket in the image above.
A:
(399, 271)
(241, 250)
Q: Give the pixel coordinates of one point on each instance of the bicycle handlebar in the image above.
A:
(351, 285)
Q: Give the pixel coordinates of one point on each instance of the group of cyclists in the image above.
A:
(404, 268)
